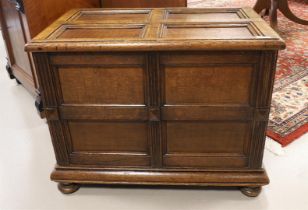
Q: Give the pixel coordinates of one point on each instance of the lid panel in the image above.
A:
(206, 31)
(112, 16)
(72, 32)
(201, 15)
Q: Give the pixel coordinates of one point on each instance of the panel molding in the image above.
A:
(155, 113)
(267, 65)
(78, 17)
(116, 160)
(238, 12)
(61, 34)
(251, 31)
(50, 98)
(205, 161)
(154, 108)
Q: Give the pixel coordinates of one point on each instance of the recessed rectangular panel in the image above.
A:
(98, 85)
(113, 16)
(143, 3)
(206, 31)
(227, 84)
(210, 162)
(201, 16)
(99, 33)
(206, 137)
(115, 137)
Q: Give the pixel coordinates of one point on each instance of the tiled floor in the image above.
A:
(26, 160)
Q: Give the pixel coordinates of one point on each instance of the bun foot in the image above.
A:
(251, 191)
(68, 188)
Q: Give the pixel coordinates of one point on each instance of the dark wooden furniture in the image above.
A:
(143, 3)
(270, 7)
(158, 96)
(21, 20)
(14, 26)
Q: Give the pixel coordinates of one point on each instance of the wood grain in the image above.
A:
(108, 136)
(244, 34)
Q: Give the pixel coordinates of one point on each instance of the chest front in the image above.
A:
(162, 109)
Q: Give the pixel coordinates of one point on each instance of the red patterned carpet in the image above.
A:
(289, 112)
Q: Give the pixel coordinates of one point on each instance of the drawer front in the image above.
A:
(102, 105)
(207, 109)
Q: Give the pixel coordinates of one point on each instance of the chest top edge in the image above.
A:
(157, 30)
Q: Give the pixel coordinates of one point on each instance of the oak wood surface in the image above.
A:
(158, 107)
(156, 32)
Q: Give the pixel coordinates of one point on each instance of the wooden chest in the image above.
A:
(158, 96)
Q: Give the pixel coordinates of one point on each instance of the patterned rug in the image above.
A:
(289, 111)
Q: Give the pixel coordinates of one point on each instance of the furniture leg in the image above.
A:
(251, 191)
(11, 75)
(273, 14)
(9, 71)
(68, 188)
(39, 105)
(261, 5)
(284, 8)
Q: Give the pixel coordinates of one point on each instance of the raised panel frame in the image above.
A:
(155, 24)
(146, 12)
(237, 12)
(208, 112)
(61, 113)
(156, 115)
(250, 27)
(208, 60)
(56, 36)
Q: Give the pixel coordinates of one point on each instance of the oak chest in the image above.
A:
(158, 96)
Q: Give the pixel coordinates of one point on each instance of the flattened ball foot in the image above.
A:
(68, 188)
(251, 191)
